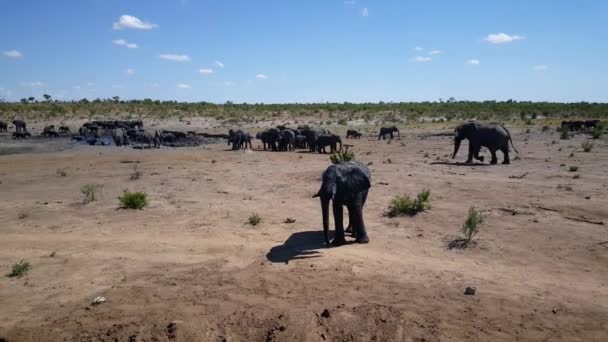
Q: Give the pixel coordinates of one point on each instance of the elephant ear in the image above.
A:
(353, 178)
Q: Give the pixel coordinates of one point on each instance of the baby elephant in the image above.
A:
(21, 135)
(64, 130)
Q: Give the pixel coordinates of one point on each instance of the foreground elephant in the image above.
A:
(345, 184)
(492, 136)
(20, 125)
(388, 131)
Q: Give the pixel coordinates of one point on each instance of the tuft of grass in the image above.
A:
(564, 133)
(342, 156)
(573, 168)
(136, 174)
(342, 122)
(545, 129)
(62, 172)
(587, 146)
(133, 200)
(597, 131)
(19, 269)
(290, 220)
(23, 214)
(470, 227)
(91, 192)
(254, 219)
(406, 205)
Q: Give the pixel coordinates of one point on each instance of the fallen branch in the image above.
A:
(519, 177)
(582, 219)
(515, 212)
(545, 208)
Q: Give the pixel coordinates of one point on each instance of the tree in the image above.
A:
(23, 101)
(116, 99)
(47, 97)
(31, 99)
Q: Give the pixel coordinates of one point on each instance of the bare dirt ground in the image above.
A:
(189, 268)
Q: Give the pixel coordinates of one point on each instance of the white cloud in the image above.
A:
(205, 71)
(129, 21)
(130, 71)
(502, 38)
(219, 64)
(423, 59)
(540, 67)
(418, 48)
(261, 76)
(435, 52)
(184, 86)
(365, 12)
(175, 58)
(13, 54)
(122, 42)
(473, 62)
(32, 84)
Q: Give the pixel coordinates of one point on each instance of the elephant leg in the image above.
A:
(338, 220)
(505, 152)
(494, 159)
(357, 215)
(476, 154)
(471, 153)
(349, 228)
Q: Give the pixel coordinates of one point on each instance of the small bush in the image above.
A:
(290, 220)
(61, 172)
(545, 129)
(564, 133)
(133, 200)
(470, 227)
(405, 205)
(573, 168)
(91, 192)
(342, 122)
(341, 156)
(254, 219)
(587, 146)
(597, 131)
(23, 214)
(19, 269)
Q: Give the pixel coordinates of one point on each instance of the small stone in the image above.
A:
(587, 197)
(554, 310)
(325, 313)
(470, 291)
(99, 300)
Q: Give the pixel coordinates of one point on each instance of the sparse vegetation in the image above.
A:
(254, 219)
(470, 227)
(136, 174)
(133, 200)
(545, 129)
(342, 156)
(19, 269)
(573, 168)
(587, 146)
(406, 205)
(23, 214)
(62, 172)
(290, 220)
(598, 131)
(91, 192)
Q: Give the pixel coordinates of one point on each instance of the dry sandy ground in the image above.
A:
(188, 267)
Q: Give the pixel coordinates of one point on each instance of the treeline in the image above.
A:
(387, 111)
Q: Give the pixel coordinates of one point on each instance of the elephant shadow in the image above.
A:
(459, 164)
(300, 245)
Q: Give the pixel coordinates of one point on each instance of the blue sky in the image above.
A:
(305, 51)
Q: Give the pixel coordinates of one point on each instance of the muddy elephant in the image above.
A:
(20, 125)
(21, 135)
(287, 140)
(3, 127)
(384, 131)
(239, 139)
(353, 134)
(49, 131)
(331, 140)
(64, 130)
(492, 136)
(345, 184)
(119, 136)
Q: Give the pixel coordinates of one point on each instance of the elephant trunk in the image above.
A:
(456, 146)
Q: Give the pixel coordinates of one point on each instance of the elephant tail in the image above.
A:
(317, 194)
(511, 140)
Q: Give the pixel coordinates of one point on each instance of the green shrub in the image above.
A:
(20, 269)
(587, 146)
(133, 200)
(564, 133)
(62, 172)
(342, 122)
(91, 192)
(405, 205)
(254, 219)
(341, 156)
(470, 227)
(597, 131)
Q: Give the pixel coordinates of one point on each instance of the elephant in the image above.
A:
(64, 130)
(575, 125)
(388, 130)
(311, 137)
(263, 137)
(287, 140)
(239, 139)
(119, 136)
(300, 141)
(353, 134)
(330, 140)
(21, 135)
(493, 136)
(49, 131)
(20, 125)
(3, 127)
(345, 184)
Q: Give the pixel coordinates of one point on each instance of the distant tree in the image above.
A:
(24, 100)
(451, 100)
(116, 99)
(47, 97)
(31, 99)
